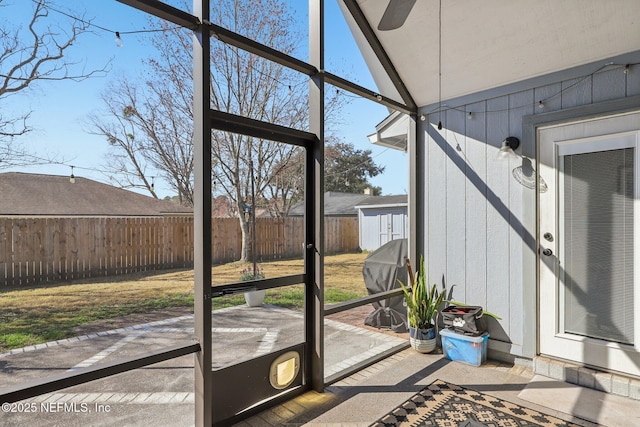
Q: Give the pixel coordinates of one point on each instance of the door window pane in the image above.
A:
(597, 266)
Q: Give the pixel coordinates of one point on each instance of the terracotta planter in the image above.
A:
(423, 340)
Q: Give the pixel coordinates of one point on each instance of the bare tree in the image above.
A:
(250, 86)
(286, 186)
(148, 120)
(149, 129)
(241, 83)
(39, 53)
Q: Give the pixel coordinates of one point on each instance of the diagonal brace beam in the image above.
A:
(381, 54)
(228, 122)
(251, 46)
(165, 11)
(337, 81)
(184, 19)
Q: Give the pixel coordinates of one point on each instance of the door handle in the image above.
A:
(547, 252)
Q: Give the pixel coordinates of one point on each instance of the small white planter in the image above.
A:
(255, 298)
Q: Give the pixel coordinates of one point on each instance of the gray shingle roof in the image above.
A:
(335, 204)
(384, 200)
(52, 195)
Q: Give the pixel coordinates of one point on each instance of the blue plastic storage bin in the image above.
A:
(464, 348)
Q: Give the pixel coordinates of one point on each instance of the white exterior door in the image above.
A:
(589, 236)
(384, 226)
(398, 225)
(391, 226)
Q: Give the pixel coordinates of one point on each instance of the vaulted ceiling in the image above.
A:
(490, 43)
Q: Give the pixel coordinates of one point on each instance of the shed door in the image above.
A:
(589, 241)
(391, 226)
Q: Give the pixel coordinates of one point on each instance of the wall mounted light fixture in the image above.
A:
(508, 146)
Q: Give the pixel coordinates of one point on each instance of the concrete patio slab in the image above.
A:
(162, 394)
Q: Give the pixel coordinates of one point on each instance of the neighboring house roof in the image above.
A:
(335, 204)
(383, 201)
(52, 195)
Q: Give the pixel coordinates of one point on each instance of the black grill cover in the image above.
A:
(382, 269)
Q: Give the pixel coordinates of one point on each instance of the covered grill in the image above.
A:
(382, 269)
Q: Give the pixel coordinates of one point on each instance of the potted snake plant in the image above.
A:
(423, 303)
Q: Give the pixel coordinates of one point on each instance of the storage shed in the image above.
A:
(382, 219)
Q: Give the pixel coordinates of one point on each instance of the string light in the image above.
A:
(117, 33)
(43, 161)
(378, 96)
(118, 39)
(540, 104)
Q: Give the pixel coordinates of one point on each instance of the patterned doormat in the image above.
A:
(447, 405)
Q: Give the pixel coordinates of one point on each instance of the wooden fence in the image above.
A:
(284, 237)
(39, 250)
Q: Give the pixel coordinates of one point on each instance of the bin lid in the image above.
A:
(453, 334)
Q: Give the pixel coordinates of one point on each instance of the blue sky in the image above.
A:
(60, 109)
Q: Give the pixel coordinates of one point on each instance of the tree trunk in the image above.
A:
(245, 226)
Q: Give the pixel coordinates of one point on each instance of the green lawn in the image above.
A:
(45, 313)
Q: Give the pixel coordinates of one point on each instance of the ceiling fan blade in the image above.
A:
(395, 14)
